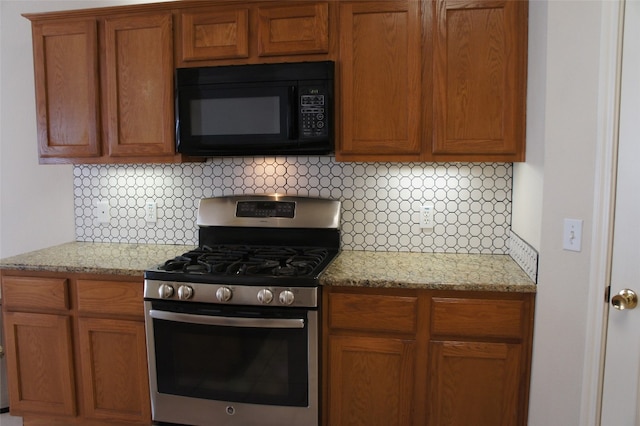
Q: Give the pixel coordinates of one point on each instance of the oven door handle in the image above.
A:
(228, 321)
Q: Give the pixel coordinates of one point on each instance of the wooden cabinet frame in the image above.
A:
(104, 86)
(479, 81)
(67, 88)
(450, 357)
(238, 33)
(425, 80)
(40, 363)
(76, 349)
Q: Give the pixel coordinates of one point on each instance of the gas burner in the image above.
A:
(248, 260)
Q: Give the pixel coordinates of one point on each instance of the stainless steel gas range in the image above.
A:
(233, 326)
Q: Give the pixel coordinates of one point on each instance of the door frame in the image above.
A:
(603, 207)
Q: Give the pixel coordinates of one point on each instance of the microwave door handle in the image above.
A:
(228, 321)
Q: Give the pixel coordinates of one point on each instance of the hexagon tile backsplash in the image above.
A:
(380, 201)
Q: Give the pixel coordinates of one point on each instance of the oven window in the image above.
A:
(236, 364)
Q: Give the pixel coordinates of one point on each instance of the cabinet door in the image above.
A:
(480, 80)
(474, 383)
(139, 85)
(113, 363)
(214, 33)
(293, 30)
(40, 363)
(66, 83)
(370, 381)
(380, 84)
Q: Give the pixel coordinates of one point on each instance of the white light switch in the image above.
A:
(572, 235)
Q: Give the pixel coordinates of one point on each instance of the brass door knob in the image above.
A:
(625, 299)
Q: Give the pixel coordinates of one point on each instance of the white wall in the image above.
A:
(528, 177)
(36, 202)
(562, 138)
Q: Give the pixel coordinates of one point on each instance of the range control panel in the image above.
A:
(265, 209)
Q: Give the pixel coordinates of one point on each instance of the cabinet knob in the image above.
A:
(625, 299)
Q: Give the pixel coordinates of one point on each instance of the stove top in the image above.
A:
(246, 264)
(247, 260)
(258, 240)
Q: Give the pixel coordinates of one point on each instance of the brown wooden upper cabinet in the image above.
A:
(104, 87)
(432, 81)
(479, 80)
(241, 33)
(379, 87)
(416, 80)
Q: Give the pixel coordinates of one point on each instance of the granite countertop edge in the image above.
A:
(95, 258)
(432, 271)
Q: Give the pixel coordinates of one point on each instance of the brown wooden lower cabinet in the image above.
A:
(375, 378)
(40, 363)
(75, 346)
(474, 383)
(454, 358)
(76, 354)
(113, 363)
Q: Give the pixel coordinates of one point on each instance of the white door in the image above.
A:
(621, 399)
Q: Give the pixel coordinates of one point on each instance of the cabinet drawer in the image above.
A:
(215, 33)
(293, 30)
(27, 293)
(110, 297)
(491, 318)
(370, 312)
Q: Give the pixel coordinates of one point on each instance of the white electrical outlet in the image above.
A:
(150, 211)
(102, 212)
(426, 216)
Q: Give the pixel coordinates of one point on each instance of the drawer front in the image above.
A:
(110, 297)
(369, 312)
(477, 318)
(32, 293)
(293, 30)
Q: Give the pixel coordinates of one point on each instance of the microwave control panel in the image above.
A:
(314, 104)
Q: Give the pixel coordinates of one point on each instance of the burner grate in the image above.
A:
(248, 260)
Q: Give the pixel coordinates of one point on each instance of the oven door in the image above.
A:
(225, 365)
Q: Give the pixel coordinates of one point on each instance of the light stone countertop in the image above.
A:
(95, 258)
(351, 268)
(436, 271)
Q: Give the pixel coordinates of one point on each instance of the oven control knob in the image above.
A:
(286, 297)
(185, 292)
(165, 291)
(265, 296)
(224, 294)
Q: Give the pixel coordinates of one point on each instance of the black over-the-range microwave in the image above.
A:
(261, 109)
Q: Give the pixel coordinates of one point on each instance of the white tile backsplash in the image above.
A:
(380, 200)
(524, 255)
